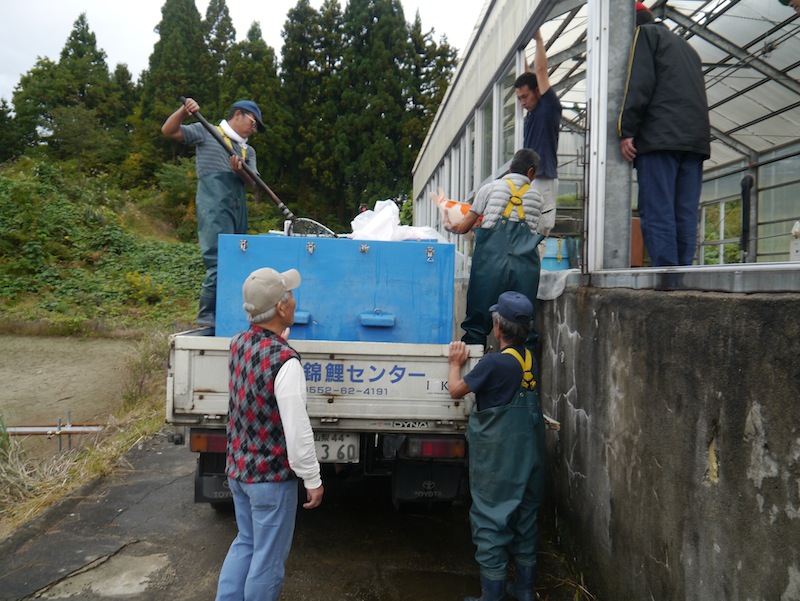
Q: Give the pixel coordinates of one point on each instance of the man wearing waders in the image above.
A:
(221, 179)
(505, 255)
(506, 451)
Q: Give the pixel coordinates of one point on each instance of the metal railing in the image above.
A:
(59, 431)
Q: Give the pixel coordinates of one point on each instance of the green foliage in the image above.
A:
(5, 439)
(723, 223)
(175, 70)
(407, 212)
(12, 141)
(178, 183)
(142, 289)
(569, 200)
(345, 117)
(66, 257)
(219, 36)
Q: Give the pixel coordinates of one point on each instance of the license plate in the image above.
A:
(337, 447)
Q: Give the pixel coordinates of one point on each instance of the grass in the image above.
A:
(559, 580)
(29, 486)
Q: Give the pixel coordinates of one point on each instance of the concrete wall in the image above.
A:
(676, 472)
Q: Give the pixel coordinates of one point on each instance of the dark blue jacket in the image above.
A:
(665, 106)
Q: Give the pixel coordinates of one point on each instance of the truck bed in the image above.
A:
(352, 386)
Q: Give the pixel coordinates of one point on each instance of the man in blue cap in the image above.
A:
(220, 201)
(506, 451)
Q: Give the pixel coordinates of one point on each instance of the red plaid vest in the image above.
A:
(256, 449)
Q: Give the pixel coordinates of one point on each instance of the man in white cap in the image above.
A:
(506, 451)
(221, 180)
(270, 441)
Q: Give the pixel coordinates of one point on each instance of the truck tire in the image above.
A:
(222, 506)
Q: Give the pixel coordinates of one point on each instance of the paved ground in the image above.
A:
(138, 535)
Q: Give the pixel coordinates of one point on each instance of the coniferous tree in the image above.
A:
(431, 67)
(219, 35)
(312, 58)
(300, 86)
(172, 73)
(80, 78)
(323, 163)
(79, 135)
(376, 83)
(12, 142)
(84, 72)
(252, 73)
(35, 96)
(125, 96)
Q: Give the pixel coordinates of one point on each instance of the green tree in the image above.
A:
(431, 68)
(125, 97)
(79, 80)
(77, 134)
(172, 73)
(84, 73)
(376, 83)
(311, 66)
(12, 142)
(35, 96)
(219, 35)
(252, 73)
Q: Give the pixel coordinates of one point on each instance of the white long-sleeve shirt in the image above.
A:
(290, 392)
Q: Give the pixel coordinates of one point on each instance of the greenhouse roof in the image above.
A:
(750, 50)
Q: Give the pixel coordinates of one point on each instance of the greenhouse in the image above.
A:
(750, 51)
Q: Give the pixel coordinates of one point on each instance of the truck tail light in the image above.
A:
(436, 448)
(208, 441)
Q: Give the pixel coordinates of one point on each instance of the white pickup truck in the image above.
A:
(381, 406)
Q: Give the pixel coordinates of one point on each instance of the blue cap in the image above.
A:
(513, 306)
(251, 107)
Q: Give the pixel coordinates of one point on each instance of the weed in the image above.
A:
(27, 487)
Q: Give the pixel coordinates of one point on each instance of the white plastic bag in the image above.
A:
(383, 223)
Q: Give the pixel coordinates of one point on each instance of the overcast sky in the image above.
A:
(124, 30)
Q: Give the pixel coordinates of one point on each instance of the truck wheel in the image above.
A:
(222, 506)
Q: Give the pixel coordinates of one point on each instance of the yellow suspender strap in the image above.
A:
(515, 200)
(527, 364)
(230, 144)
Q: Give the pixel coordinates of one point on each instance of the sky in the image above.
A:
(125, 30)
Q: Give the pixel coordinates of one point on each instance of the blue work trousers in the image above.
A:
(669, 196)
(265, 515)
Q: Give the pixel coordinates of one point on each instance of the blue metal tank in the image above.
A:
(356, 290)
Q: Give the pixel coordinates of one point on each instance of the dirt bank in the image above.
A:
(43, 378)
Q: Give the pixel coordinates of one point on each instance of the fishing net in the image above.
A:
(302, 226)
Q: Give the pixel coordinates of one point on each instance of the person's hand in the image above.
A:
(446, 223)
(538, 37)
(190, 106)
(627, 149)
(236, 163)
(314, 496)
(459, 353)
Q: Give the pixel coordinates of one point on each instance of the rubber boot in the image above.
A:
(491, 590)
(207, 315)
(521, 588)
